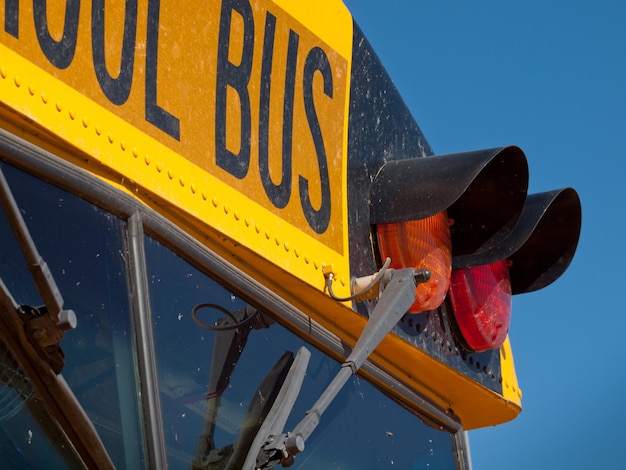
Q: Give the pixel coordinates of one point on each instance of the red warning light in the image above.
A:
(481, 300)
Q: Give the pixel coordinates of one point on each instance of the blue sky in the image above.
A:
(550, 77)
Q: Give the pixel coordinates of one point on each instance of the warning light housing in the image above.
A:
(542, 244)
(475, 197)
(536, 252)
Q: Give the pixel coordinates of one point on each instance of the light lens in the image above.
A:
(420, 244)
(481, 299)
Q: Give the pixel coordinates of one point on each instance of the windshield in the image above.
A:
(85, 250)
(361, 429)
(219, 361)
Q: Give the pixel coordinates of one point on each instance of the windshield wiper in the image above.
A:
(276, 419)
(231, 336)
(33, 337)
(45, 325)
(287, 373)
(281, 448)
(281, 385)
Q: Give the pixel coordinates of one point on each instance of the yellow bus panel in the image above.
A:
(239, 112)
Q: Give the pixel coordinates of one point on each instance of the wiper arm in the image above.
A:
(398, 296)
(61, 403)
(45, 326)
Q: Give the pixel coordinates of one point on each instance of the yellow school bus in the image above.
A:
(225, 243)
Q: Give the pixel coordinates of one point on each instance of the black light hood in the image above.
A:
(542, 244)
(484, 192)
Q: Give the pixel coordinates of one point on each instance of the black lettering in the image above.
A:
(316, 61)
(237, 78)
(59, 53)
(155, 114)
(117, 89)
(11, 17)
(278, 194)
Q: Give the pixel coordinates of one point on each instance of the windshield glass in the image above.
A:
(85, 250)
(28, 437)
(219, 361)
(205, 409)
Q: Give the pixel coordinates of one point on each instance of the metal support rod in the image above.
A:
(45, 327)
(65, 410)
(44, 281)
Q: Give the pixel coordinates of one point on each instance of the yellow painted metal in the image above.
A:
(510, 388)
(325, 21)
(71, 104)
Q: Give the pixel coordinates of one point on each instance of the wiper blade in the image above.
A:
(46, 326)
(277, 417)
(259, 409)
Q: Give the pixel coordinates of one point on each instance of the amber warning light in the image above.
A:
(420, 244)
